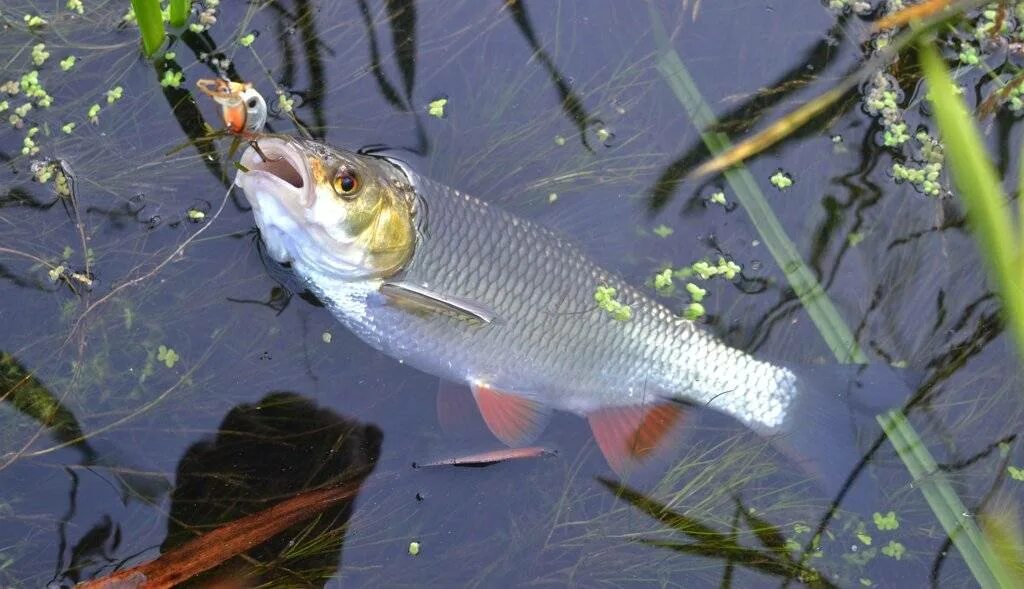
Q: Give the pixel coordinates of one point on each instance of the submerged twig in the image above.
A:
(211, 549)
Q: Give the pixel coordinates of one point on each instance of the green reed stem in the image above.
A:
(151, 24)
(944, 502)
(179, 12)
(819, 306)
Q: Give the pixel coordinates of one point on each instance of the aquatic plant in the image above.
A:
(151, 24)
(995, 226)
(178, 12)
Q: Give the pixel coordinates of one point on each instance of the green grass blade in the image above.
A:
(179, 12)
(151, 24)
(951, 513)
(820, 308)
(980, 188)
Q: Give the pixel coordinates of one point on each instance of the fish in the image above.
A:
(462, 289)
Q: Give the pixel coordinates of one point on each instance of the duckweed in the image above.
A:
(29, 146)
(663, 279)
(34, 20)
(781, 180)
(697, 293)
(94, 114)
(67, 63)
(247, 40)
(894, 550)
(76, 5)
(68, 128)
(605, 297)
(889, 521)
(286, 104)
(29, 84)
(167, 355)
(694, 311)
(171, 79)
(663, 231)
(436, 107)
(1016, 473)
(326, 337)
(717, 197)
(414, 548)
(704, 270)
(40, 54)
(114, 94)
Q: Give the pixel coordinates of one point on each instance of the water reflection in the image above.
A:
(263, 454)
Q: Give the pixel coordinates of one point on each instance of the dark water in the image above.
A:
(266, 395)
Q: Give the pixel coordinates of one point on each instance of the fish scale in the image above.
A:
(550, 342)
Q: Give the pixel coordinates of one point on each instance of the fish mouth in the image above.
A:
(277, 164)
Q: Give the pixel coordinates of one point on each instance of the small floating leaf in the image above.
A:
(894, 549)
(436, 107)
(167, 355)
(889, 521)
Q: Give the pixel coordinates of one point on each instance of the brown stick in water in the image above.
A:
(211, 549)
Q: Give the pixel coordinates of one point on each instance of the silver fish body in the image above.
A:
(549, 340)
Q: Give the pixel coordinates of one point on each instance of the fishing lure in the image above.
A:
(243, 109)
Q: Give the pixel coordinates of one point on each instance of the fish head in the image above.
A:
(339, 213)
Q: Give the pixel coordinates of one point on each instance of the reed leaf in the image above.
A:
(819, 306)
(980, 187)
(151, 24)
(972, 545)
(179, 12)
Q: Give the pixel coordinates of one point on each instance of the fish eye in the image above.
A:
(346, 183)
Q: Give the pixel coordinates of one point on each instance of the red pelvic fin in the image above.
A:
(513, 419)
(628, 436)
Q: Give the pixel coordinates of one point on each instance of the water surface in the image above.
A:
(189, 364)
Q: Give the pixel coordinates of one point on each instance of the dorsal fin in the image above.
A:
(512, 418)
(629, 436)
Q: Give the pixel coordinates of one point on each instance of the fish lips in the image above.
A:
(278, 168)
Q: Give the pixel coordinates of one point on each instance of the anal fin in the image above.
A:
(629, 436)
(514, 419)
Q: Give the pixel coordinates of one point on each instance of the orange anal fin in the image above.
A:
(513, 419)
(628, 436)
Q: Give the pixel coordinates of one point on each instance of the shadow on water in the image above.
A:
(282, 462)
(571, 103)
(401, 18)
(817, 59)
(264, 453)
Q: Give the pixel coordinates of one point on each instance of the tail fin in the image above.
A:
(831, 425)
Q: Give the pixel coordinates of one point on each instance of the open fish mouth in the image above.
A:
(279, 166)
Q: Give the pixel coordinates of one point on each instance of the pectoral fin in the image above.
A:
(422, 299)
(629, 436)
(513, 419)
